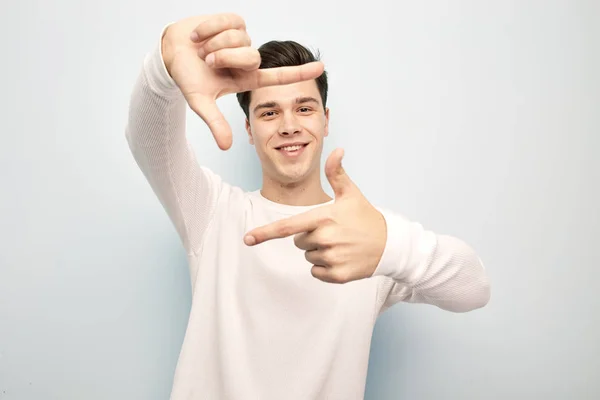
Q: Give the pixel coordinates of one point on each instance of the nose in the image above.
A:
(289, 125)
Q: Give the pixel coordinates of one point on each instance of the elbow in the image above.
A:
(479, 298)
(475, 291)
(486, 293)
(476, 297)
(482, 291)
(478, 294)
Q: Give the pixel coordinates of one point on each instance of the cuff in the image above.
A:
(406, 248)
(156, 72)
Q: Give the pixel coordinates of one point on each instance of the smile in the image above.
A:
(293, 150)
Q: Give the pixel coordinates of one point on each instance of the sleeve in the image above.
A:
(421, 266)
(156, 136)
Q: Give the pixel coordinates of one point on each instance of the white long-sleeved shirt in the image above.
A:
(261, 327)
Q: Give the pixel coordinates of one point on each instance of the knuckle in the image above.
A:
(241, 39)
(204, 28)
(299, 239)
(207, 48)
(327, 218)
(340, 276)
(231, 36)
(325, 237)
(280, 76)
(284, 230)
(316, 272)
(239, 20)
(225, 19)
(238, 38)
(307, 256)
(221, 41)
(256, 59)
(330, 257)
(234, 19)
(322, 239)
(217, 58)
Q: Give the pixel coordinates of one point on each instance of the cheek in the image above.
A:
(317, 127)
(262, 140)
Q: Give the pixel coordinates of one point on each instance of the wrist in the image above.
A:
(156, 70)
(166, 49)
(406, 245)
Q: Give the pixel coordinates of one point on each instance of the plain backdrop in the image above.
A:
(476, 118)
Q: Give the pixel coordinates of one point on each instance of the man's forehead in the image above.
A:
(285, 93)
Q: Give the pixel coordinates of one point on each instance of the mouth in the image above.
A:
(292, 150)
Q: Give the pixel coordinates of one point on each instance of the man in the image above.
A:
(287, 282)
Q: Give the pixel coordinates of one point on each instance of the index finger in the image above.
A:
(283, 75)
(304, 222)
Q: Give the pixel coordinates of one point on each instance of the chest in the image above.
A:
(273, 281)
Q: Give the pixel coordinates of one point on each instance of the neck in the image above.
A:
(306, 193)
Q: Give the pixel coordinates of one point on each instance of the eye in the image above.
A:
(304, 109)
(268, 114)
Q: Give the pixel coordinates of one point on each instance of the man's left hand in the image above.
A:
(344, 240)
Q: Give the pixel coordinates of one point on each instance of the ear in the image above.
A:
(249, 130)
(326, 121)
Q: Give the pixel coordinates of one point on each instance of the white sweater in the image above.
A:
(261, 327)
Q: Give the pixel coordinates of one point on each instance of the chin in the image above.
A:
(291, 178)
(292, 172)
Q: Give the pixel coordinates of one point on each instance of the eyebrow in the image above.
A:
(299, 100)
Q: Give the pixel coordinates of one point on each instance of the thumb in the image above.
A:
(207, 109)
(336, 175)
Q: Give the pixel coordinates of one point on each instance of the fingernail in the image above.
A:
(250, 240)
(210, 59)
(194, 36)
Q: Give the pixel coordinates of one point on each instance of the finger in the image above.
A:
(305, 241)
(216, 24)
(319, 272)
(244, 58)
(332, 274)
(336, 175)
(209, 112)
(282, 75)
(231, 38)
(318, 257)
(329, 275)
(304, 222)
(321, 238)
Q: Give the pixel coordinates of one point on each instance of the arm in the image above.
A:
(431, 268)
(351, 239)
(177, 74)
(156, 136)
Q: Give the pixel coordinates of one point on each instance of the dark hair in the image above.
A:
(285, 53)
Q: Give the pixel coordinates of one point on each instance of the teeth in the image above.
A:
(291, 148)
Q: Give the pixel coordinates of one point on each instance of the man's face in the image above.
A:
(287, 125)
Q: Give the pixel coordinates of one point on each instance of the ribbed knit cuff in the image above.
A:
(156, 72)
(407, 248)
(397, 229)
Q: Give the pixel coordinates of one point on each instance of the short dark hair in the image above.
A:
(285, 53)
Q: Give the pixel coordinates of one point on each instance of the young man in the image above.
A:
(287, 282)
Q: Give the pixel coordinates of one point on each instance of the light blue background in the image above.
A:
(478, 119)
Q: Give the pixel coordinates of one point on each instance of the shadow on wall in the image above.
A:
(389, 354)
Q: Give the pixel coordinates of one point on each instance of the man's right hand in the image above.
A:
(210, 56)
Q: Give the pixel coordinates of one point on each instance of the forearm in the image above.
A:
(436, 269)
(157, 139)
(157, 108)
